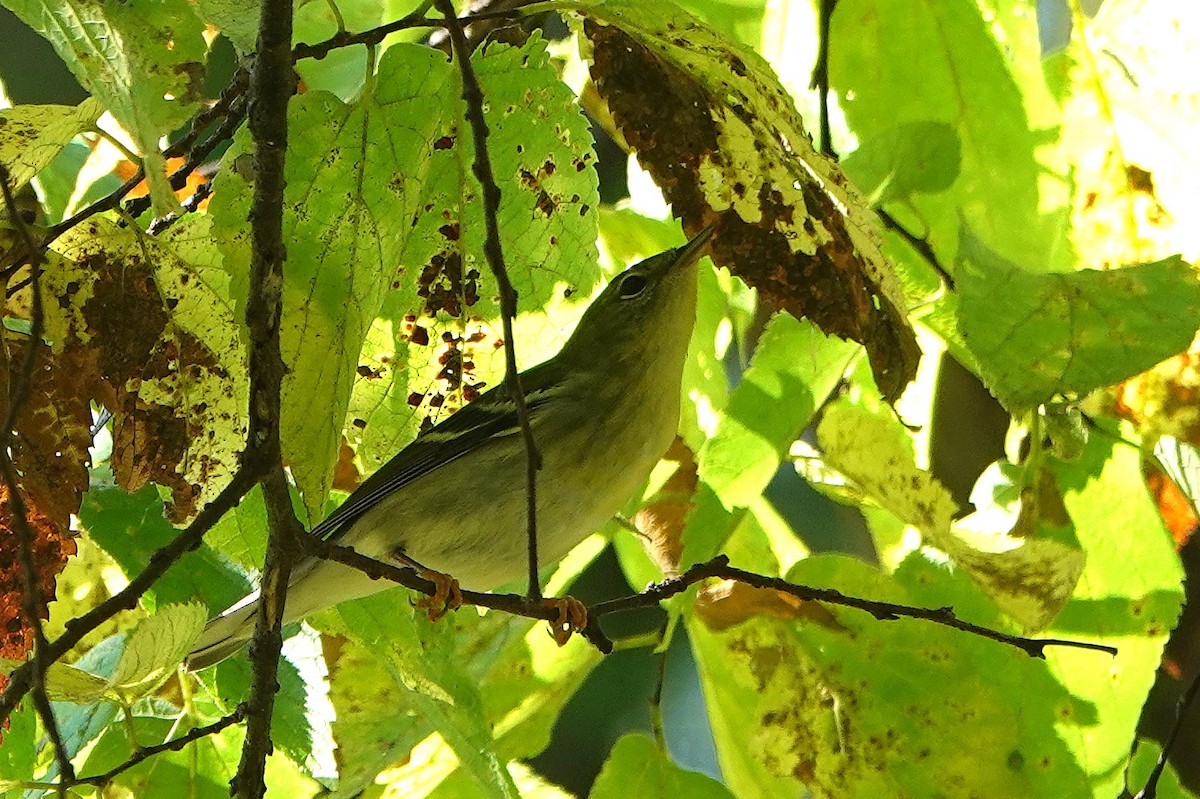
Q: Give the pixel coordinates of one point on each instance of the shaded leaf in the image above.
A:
(637, 767)
(793, 370)
(912, 158)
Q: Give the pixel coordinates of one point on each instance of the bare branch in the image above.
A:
(473, 97)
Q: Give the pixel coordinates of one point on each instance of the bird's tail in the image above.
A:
(223, 636)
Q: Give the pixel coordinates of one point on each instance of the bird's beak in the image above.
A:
(691, 252)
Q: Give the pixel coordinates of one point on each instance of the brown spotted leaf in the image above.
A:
(712, 124)
(148, 338)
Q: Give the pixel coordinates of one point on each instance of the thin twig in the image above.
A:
(718, 567)
(1150, 790)
(272, 84)
(820, 74)
(516, 604)
(919, 244)
(174, 745)
(482, 167)
(18, 394)
(374, 36)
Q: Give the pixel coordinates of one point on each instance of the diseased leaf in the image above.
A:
(438, 340)
(32, 135)
(1037, 335)
(49, 451)
(847, 709)
(710, 121)
(147, 337)
(1030, 578)
(390, 312)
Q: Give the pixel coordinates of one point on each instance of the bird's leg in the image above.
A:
(572, 617)
(447, 595)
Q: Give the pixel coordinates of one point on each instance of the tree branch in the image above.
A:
(482, 167)
(272, 83)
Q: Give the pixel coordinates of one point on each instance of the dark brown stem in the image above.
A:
(919, 244)
(482, 167)
(272, 83)
(820, 74)
(1186, 699)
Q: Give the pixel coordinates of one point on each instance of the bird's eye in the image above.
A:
(632, 286)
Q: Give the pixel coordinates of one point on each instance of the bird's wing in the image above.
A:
(491, 417)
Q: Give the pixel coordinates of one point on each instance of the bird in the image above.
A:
(453, 502)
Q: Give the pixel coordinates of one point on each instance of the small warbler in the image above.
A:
(603, 411)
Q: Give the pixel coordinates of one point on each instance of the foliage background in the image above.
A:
(1020, 151)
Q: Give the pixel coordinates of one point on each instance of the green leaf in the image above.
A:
(846, 708)
(415, 661)
(35, 134)
(1129, 596)
(143, 60)
(1144, 759)
(154, 647)
(291, 731)
(795, 367)
(131, 527)
(636, 766)
(899, 63)
(1037, 335)
(914, 158)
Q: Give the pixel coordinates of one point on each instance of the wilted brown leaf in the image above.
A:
(728, 603)
(663, 518)
(52, 545)
(49, 448)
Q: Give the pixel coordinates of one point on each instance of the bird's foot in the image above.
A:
(447, 595)
(572, 617)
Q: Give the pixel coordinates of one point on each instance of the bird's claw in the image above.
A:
(447, 595)
(572, 617)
